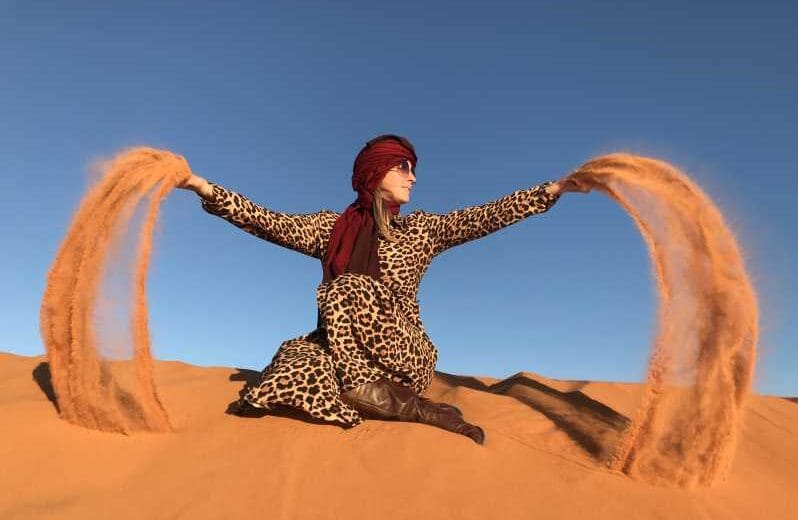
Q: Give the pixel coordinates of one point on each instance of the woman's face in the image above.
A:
(398, 182)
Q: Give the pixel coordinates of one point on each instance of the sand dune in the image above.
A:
(542, 459)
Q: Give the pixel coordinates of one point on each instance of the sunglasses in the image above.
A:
(404, 168)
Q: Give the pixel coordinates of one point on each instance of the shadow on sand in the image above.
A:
(41, 374)
(594, 426)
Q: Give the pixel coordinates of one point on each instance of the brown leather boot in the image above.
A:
(443, 406)
(384, 399)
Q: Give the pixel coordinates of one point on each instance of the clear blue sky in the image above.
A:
(275, 99)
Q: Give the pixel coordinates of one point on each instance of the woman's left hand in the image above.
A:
(565, 185)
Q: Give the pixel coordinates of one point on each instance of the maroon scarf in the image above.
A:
(353, 240)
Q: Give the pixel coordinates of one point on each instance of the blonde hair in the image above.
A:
(381, 216)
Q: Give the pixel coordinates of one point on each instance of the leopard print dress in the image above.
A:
(368, 329)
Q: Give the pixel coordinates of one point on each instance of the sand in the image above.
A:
(109, 393)
(539, 460)
(703, 357)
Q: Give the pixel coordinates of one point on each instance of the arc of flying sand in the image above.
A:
(701, 365)
(84, 383)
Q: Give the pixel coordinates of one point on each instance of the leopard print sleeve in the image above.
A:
(463, 225)
(307, 234)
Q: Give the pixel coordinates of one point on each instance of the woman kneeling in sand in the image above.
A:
(369, 355)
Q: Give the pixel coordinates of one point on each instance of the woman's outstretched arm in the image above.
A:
(306, 233)
(463, 225)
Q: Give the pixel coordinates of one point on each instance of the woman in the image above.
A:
(369, 355)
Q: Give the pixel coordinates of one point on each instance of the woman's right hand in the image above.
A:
(198, 185)
(565, 185)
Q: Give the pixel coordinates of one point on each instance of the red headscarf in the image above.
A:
(353, 241)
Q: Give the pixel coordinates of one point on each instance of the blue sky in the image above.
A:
(274, 99)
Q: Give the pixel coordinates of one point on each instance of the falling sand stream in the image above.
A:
(703, 357)
(92, 390)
